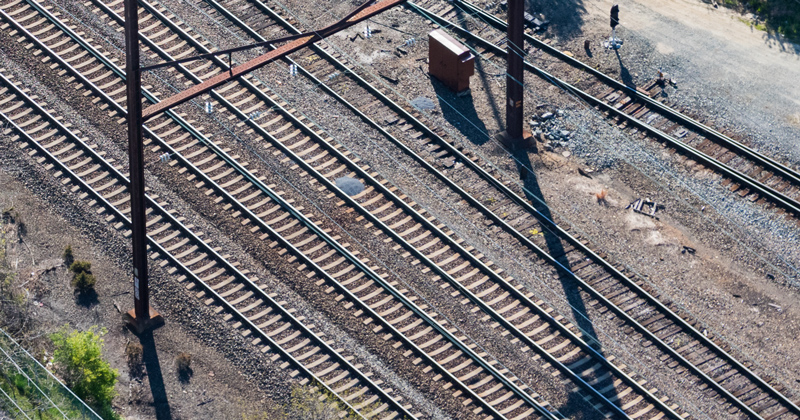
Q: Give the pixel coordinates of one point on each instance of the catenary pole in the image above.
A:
(514, 76)
(141, 317)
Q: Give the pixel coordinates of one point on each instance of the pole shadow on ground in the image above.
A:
(570, 287)
(154, 376)
(624, 74)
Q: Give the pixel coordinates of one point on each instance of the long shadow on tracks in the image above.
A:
(571, 289)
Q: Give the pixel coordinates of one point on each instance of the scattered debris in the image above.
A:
(601, 196)
(422, 103)
(566, 154)
(638, 207)
(569, 54)
(546, 116)
(688, 249)
(536, 23)
(390, 78)
(770, 276)
(775, 306)
(587, 45)
(585, 172)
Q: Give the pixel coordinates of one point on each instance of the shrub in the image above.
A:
(81, 266)
(184, 365)
(83, 281)
(133, 353)
(67, 255)
(82, 278)
(78, 360)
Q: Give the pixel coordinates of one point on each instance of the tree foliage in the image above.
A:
(82, 278)
(78, 360)
(67, 255)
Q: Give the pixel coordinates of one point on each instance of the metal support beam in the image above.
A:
(142, 317)
(363, 12)
(514, 76)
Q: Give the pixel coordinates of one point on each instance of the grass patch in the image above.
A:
(778, 16)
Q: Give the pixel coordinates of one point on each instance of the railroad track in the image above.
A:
(214, 279)
(405, 221)
(749, 173)
(700, 357)
(480, 388)
(440, 246)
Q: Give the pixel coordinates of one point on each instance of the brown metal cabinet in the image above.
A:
(450, 61)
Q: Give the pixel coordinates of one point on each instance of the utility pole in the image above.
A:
(513, 136)
(142, 317)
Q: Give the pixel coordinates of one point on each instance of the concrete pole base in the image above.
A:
(141, 325)
(526, 142)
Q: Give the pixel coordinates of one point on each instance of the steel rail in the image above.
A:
(185, 230)
(174, 261)
(619, 275)
(765, 190)
(362, 13)
(751, 154)
(321, 232)
(442, 273)
(508, 192)
(489, 368)
(419, 255)
(189, 233)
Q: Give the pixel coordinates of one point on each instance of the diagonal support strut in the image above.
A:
(362, 13)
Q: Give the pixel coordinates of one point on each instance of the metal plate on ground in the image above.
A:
(349, 186)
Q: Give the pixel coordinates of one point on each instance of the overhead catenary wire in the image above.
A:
(634, 165)
(260, 157)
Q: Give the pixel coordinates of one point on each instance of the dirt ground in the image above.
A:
(34, 244)
(718, 282)
(743, 78)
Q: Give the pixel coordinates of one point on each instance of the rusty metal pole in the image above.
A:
(141, 317)
(514, 76)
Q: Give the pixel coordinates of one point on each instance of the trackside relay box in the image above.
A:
(450, 61)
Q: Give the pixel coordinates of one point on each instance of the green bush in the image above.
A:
(82, 278)
(67, 255)
(78, 361)
(782, 16)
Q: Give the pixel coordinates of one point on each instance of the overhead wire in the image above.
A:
(433, 192)
(442, 99)
(367, 249)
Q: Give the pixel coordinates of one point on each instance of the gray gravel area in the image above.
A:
(670, 179)
(745, 242)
